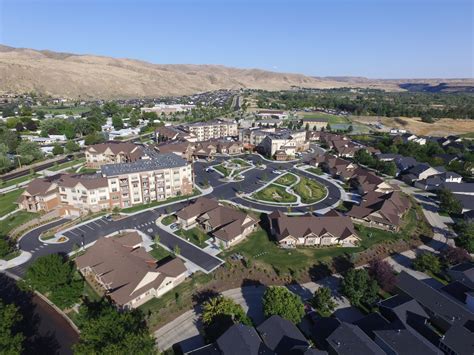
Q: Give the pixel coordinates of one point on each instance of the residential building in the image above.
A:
(201, 150)
(252, 137)
(280, 115)
(226, 225)
(212, 130)
(331, 229)
(420, 172)
(173, 133)
(287, 141)
(464, 273)
(435, 182)
(381, 210)
(126, 272)
(453, 319)
(117, 185)
(366, 181)
(314, 124)
(167, 109)
(337, 167)
(112, 153)
(408, 137)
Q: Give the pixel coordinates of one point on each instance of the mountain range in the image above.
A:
(90, 77)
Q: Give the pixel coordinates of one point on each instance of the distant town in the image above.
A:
(304, 221)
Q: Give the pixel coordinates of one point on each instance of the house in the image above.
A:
(41, 194)
(315, 124)
(331, 229)
(237, 340)
(225, 224)
(282, 336)
(112, 153)
(345, 148)
(337, 167)
(180, 148)
(451, 317)
(379, 210)
(420, 172)
(126, 272)
(463, 192)
(435, 182)
(408, 137)
(172, 133)
(366, 181)
(464, 273)
(280, 115)
(404, 163)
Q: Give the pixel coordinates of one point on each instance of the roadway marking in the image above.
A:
(83, 231)
(88, 226)
(97, 224)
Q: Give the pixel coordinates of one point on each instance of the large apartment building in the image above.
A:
(284, 143)
(117, 185)
(212, 129)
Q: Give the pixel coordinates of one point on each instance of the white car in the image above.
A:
(278, 172)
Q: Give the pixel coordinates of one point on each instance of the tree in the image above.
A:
(58, 149)
(453, 256)
(465, 237)
(53, 275)
(117, 122)
(19, 127)
(11, 340)
(29, 152)
(389, 168)
(72, 146)
(31, 125)
(448, 202)
(220, 306)
(6, 247)
(359, 287)
(322, 300)
(427, 118)
(278, 300)
(427, 261)
(94, 138)
(176, 249)
(383, 273)
(105, 330)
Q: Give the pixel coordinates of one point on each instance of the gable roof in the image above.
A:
(350, 339)
(123, 267)
(241, 339)
(132, 150)
(281, 335)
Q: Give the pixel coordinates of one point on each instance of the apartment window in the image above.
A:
(63, 189)
(114, 189)
(113, 182)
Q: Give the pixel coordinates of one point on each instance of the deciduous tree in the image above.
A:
(11, 341)
(427, 261)
(280, 301)
(323, 301)
(383, 273)
(359, 287)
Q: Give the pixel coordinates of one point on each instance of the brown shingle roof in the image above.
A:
(133, 151)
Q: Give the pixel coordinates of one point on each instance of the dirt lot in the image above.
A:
(442, 127)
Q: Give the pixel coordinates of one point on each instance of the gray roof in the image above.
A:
(159, 161)
(459, 188)
(467, 201)
(387, 156)
(418, 169)
(350, 339)
(281, 335)
(241, 339)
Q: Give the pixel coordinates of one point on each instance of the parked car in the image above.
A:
(108, 218)
(278, 172)
(174, 226)
(208, 170)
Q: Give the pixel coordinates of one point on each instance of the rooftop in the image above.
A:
(160, 161)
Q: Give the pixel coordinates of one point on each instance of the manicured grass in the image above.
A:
(194, 235)
(241, 162)
(331, 118)
(159, 203)
(372, 236)
(287, 180)
(168, 220)
(310, 190)
(15, 220)
(12, 255)
(67, 164)
(159, 252)
(316, 171)
(57, 110)
(274, 193)
(171, 302)
(18, 180)
(222, 169)
(8, 201)
(88, 171)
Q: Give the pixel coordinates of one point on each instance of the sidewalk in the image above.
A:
(19, 260)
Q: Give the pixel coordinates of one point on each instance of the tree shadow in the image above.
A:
(319, 271)
(204, 296)
(341, 264)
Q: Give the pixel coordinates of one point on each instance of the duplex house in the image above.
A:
(379, 210)
(435, 182)
(331, 229)
(126, 272)
(366, 181)
(337, 167)
(420, 172)
(225, 224)
(112, 153)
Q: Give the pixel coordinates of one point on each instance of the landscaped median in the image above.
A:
(274, 193)
(232, 168)
(309, 190)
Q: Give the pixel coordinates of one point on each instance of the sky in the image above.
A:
(370, 38)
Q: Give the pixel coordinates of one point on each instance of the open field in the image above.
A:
(442, 127)
(8, 201)
(331, 118)
(15, 220)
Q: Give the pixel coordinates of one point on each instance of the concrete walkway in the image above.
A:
(19, 260)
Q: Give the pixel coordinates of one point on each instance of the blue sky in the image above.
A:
(372, 38)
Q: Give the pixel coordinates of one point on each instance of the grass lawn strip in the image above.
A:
(316, 171)
(15, 220)
(274, 193)
(8, 201)
(18, 180)
(159, 252)
(222, 169)
(159, 203)
(194, 235)
(67, 164)
(309, 190)
(286, 179)
(168, 220)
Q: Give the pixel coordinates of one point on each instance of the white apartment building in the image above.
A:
(212, 130)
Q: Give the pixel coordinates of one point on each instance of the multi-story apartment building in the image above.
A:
(284, 142)
(113, 153)
(118, 185)
(212, 129)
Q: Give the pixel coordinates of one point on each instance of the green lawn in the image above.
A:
(274, 193)
(331, 118)
(168, 220)
(222, 169)
(159, 203)
(241, 162)
(159, 252)
(15, 220)
(18, 180)
(316, 171)
(58, 110)
(88, 170)
(8, 201)
(286, 179)
(310, 190)
(194, 235)
(67, 164)
(372, 236)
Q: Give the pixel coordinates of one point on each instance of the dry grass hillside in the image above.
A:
(88, 76)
